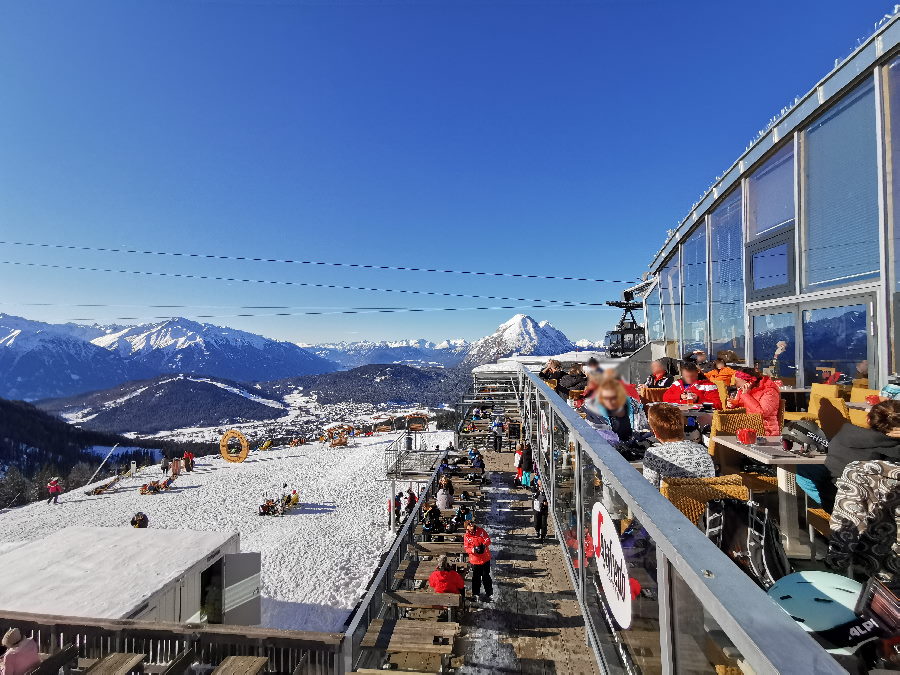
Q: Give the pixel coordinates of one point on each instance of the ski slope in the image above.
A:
(316, 559)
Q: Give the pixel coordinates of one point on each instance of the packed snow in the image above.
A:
(316, 559)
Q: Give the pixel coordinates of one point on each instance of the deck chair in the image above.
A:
(653, 394)
(833, 414)
(860, 394)
(817, 393)
(723, 391)
(552, 383)
(690, 495)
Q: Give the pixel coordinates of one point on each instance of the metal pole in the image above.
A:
(391, 509)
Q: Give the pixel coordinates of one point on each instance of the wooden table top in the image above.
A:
(769, 452)
(859, 405)
(409, 635)
(242, 665)
(117, 664)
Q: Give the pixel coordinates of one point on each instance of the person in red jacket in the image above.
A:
(477, 544)
(689, 388)
(445, 579)
(55, 490)
(760, 395)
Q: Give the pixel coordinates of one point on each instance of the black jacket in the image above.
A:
(569, 382)
(527, 461)
(665, 381)
(853, 443)
(547, 375)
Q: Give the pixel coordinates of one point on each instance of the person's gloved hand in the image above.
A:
(479, 549)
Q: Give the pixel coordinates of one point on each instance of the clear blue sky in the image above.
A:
(559, 137)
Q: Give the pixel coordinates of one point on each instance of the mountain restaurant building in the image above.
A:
(790, 259)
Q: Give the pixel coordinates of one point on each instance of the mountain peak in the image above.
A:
(520, 335)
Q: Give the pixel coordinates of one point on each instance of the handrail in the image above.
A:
(767, 637)
(361, 612)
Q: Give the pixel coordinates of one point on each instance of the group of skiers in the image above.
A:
(185, 462)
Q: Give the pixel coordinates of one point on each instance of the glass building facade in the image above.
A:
(789, 263)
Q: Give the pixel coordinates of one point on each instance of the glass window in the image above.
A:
(693, 270)
(770, 267)
(835, 344)
(893, 158)
(653, 314)
(775, 346)
(670, 290)
(727, 275)
(770, 194)
(841, 241)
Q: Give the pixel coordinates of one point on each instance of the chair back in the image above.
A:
(552, 383)
(653, 394)
(690, 495)
(576, 393)
(860, 418)
(781, 414)
(859, 394)
(832, 414)
(830, 390)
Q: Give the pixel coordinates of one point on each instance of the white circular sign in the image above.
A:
(611, 565)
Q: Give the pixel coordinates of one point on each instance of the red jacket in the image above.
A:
(706, 391)
(449, 581)
(473, 539)
(54, 488)
(763, 399)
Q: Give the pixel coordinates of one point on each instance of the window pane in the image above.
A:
(892, 138)
(670, 288)
(654, 316)
(693, 269)
(770, 267)
(770, 194)
(775, 345)
(842, 193)
(835, 344)
(727, 273)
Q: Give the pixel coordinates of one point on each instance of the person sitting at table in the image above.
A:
(445, 578)
(760, 395)
(574, 379)
(611, 409)
(689, 388)
(552, 371)
(659, 376)
(675, 457)
(698, 358)
(721, 373)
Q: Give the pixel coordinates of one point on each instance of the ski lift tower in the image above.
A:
(629, 335)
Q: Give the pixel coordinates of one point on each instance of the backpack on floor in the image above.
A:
(744, 531)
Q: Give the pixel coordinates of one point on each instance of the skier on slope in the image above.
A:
(55, 490)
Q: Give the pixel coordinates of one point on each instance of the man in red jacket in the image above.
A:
(477, 544)
(689, 388)
(445, 579)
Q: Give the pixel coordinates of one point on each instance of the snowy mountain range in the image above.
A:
(41, 360)
(522, 336)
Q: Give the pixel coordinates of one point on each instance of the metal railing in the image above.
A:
(372, 605)
(699, 600)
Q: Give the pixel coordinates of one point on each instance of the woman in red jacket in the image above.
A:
(760, 395)
(477, 544)
(445, 579)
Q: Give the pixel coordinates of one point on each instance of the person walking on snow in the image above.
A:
(477, 544)
(55, 490)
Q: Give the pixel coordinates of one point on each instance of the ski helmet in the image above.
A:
(805, 433)
(823, 604)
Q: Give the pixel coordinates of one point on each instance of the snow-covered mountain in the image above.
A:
(591, 344)
(40, 360)
(409, 352)
(520, 335)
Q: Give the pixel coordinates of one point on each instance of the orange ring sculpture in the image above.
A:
(227, 455)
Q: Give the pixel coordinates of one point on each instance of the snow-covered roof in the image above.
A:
(510, 364)
(101, 572)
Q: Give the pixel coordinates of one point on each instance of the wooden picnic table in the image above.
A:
(118, 663)
(421, 570)
(425, 600)
(408, 635)
(768, 451)
(459, 533)
(242, 665)
(433, 548)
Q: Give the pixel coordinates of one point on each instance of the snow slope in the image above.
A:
(316, 560)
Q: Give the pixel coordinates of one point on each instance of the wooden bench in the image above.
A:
(51, 663)
(420, 570)
(118, 663)
(459, 533)
(406, 635)
(425, 600)
(242, 665)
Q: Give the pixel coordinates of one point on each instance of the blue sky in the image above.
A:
(555, 138)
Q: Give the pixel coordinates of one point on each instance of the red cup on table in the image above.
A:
(746, 436)
(874, 399)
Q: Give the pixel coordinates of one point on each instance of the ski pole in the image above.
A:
(13, 501)
(102, 463)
